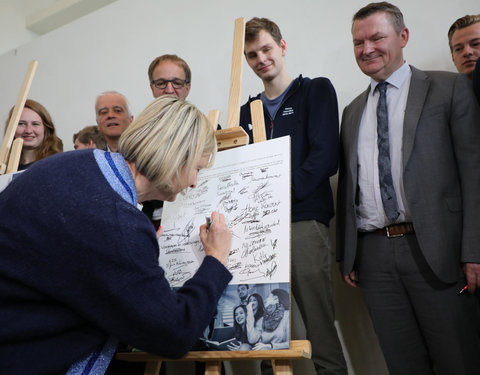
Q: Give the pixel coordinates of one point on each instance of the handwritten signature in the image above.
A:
(179, 276)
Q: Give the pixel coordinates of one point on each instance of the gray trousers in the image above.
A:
(312, 287)
(423, 325)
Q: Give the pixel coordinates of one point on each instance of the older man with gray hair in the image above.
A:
(113, 117)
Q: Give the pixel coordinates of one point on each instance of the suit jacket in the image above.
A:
(476, 80)
(441, 172)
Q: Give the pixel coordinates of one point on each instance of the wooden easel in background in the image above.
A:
(10, 150)
(233, 136)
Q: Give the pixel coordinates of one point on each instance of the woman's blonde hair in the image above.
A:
(169, 135)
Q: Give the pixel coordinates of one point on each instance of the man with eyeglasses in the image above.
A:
(169, 74)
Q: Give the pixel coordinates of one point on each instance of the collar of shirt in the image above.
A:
(396, 79)
(112, 179)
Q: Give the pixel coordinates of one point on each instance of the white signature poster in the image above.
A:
(250, 185)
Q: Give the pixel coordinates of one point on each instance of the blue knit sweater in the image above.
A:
(79, 264)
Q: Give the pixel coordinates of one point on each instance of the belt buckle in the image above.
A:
(392, 235)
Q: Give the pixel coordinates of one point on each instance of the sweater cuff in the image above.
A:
(211, 267)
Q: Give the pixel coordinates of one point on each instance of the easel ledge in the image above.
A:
(281, 359)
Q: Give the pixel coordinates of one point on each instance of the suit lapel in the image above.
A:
(352, 136)
(417, 94)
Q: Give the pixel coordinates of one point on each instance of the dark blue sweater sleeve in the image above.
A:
(133, 301)
(81, 264)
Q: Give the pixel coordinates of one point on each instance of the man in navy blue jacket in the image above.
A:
(306, 110)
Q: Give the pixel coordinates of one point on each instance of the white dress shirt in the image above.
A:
(370, 212)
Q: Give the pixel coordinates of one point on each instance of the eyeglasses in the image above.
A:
(162, 84)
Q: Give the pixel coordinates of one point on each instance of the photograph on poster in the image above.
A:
(250, 317)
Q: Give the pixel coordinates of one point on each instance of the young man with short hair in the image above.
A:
(464, 43)
(306, 110)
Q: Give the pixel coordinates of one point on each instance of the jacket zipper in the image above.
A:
(268, 114)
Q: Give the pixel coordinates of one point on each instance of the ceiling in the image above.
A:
(29, 7)
(24, 20)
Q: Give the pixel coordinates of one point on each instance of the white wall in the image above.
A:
(111, 49)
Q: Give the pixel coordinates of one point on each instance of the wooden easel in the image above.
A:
(10, 150)
(232, 136)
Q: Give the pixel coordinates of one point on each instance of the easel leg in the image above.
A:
(282, 367)
(152, 368)
(213, 367)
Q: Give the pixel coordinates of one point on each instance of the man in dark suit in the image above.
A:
(408, 231)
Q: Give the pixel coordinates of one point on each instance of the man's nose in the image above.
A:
(169, 87)
(368, 48)
(261, 57)
(468, 51)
